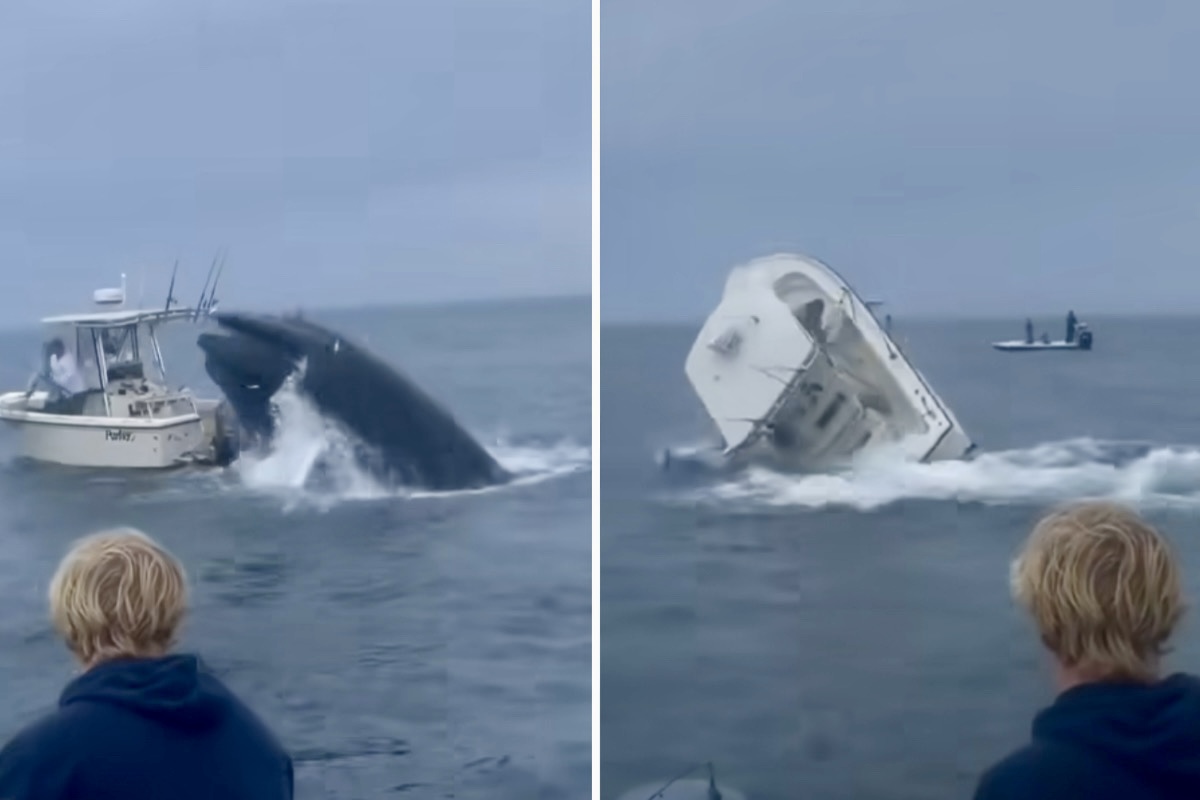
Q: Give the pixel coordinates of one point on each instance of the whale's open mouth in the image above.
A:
(249, 360)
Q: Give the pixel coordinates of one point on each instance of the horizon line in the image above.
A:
(926, 316)
(377, 305)
(444, 303)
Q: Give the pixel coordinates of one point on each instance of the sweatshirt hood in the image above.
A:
(174, 690)
(1152, 730)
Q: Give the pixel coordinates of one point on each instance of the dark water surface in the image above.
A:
(419, 647)
(852, 636)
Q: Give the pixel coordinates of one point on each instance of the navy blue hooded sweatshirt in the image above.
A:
(1108, 741)
(147, 729)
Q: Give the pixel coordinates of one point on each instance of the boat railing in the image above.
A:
(175, 403)
(846, 303)
(791, 384)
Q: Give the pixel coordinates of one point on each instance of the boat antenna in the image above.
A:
(171, 287)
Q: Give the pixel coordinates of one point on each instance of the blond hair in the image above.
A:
(118, 594)
(1103, 588)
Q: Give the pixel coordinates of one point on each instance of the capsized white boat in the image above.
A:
(792, 365)
(120, 412)
(1082, 341)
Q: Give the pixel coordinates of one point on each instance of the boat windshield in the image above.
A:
(819, 314)
(120, 344)
(129, 352)
(67, 361)
(124, 356)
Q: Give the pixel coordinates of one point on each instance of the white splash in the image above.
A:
(305, 442)
(1053, 472)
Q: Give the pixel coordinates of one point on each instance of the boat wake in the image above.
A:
(1132, 472)
(311, 460)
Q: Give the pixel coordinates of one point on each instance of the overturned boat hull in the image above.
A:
(792, 366)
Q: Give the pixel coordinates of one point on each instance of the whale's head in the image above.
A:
(252, 356)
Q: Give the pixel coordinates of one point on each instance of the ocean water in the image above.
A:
(402, 644)
(852, 636)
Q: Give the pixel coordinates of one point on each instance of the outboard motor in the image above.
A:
(227, 439)
(1085, 339)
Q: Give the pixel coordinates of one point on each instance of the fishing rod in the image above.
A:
(204, 288)
(171, 288)
(210, 304)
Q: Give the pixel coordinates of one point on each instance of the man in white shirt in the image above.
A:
(63, 369)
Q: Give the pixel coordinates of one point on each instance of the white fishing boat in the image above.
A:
(101, 396)
(793, 366)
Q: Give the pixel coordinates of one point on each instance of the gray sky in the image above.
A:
(346, 151)
(946, 156)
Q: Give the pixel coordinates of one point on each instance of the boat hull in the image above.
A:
(1017, 346)
(813, 393)
(103, 442)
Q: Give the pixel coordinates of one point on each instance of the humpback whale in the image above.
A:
(405, 436)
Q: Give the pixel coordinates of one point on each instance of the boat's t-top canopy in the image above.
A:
(745, 361)
(110, 346)
(87, 352)
(124, 317)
